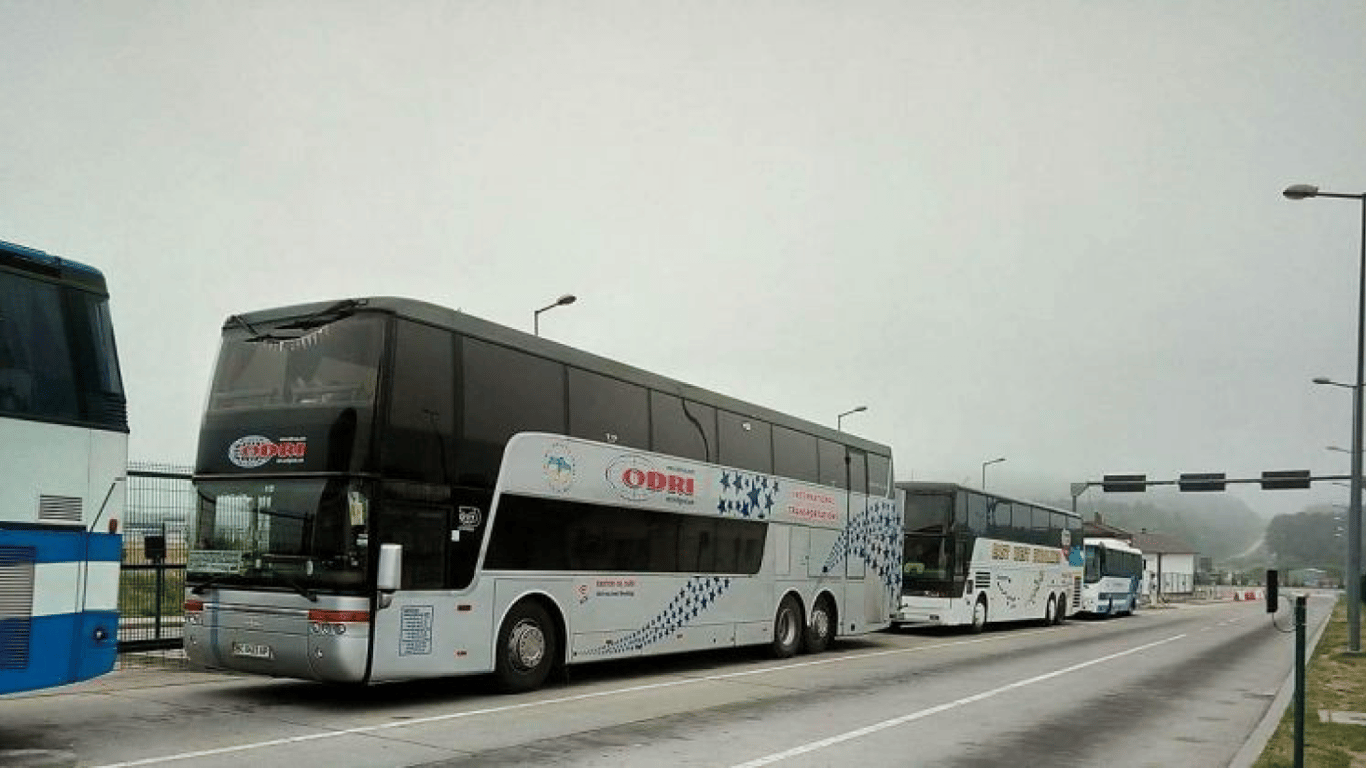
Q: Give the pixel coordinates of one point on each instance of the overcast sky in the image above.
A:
(1050, 231)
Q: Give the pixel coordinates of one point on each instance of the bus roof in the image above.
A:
(926, 486)
(485, 330)
(1116, 544)
(39, 263)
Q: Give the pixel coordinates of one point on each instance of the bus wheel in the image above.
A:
(979, 615)
(1060, 615)
(1050, 612)
(526, 648)
(787, 628)
(821, 629)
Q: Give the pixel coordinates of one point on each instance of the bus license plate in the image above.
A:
(253, 651)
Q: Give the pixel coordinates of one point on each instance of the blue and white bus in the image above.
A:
(63, 450)
(390, 489)
(1114, 570)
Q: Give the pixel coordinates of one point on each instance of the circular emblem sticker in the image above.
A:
(251, 451)
(559, 467)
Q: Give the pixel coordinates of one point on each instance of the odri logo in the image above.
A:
(559, 467)
(635, 478)
(255, 451)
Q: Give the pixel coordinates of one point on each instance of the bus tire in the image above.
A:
(787, 628)
(979, 615)
(1060, 615)
(820, 630)
(526, 648)
(1050, 611)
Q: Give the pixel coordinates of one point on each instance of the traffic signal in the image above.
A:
(1283, 479)
(1201, 481)
(1273, 580)
(1124, 483)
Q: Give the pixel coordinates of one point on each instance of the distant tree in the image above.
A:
(1309, 539)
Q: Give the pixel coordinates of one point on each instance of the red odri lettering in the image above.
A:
(683, 485)
(656, 481)
(633, 477)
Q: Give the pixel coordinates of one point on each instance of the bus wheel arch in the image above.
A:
(529, 644)
(821, 625)
(788, 627)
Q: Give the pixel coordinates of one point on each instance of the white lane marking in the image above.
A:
(885, 724)
(549, 702)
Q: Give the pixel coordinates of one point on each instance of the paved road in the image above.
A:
(1181, 686)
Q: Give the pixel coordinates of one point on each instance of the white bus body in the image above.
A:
(971, 557)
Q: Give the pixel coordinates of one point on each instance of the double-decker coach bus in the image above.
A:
(64, 451)
(393, 490)
(1114, 569)
(972, 556)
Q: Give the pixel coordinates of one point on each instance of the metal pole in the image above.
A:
(1299, 680)
(1354, 516)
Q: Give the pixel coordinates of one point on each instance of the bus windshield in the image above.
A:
(1095, 557)
(926, 513)
(318, 362)
(300, 534)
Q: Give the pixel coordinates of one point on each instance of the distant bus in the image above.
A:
(972, 557)
(63, 449)
(389, 490)
(1114, 569)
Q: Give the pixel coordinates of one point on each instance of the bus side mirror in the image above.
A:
(1273, 579)
(390, 572)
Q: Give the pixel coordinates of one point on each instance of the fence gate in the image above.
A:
(160, 501)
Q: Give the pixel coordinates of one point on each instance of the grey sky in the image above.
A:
(1051, 231)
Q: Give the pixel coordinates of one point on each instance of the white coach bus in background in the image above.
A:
(971, 557)
(1110, 584)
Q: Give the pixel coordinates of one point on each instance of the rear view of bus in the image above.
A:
(64, 449)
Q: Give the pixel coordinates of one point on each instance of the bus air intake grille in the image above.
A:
(983, 579)
(16, 605)
(1076, 590)
(59, 509)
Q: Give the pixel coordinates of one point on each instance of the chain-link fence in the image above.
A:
(160, 501)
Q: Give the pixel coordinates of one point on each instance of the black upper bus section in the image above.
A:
(58, 362)
(942, 508)
(450, 389)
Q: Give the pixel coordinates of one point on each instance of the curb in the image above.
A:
(1256, 743)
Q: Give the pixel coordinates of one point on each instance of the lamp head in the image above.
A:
(568, 298)
(1301, 191)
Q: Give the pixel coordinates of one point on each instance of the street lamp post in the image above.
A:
(839, 420)
(986, 464)
(1301, 192)
(564, 300)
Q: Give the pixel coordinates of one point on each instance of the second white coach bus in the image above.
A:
(392, 490)
(1114, 570)
(971, 557)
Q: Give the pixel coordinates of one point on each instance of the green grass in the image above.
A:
(1335, 680)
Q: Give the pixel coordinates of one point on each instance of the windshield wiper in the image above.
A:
(325, 316)
(301, 589)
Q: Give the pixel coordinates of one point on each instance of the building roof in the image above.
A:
(1162, 543)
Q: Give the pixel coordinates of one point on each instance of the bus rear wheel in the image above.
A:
(787, 628)
(526, 648)
(1060, 615)
(821, 629)
(1050, 612)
